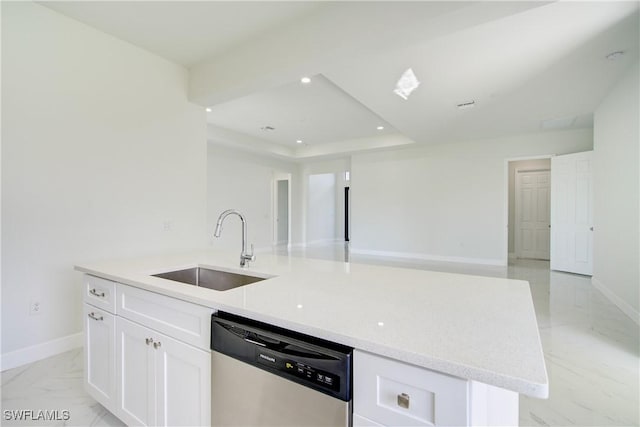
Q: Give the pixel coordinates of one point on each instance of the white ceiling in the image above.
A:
(546, 63)
(522, 63)
(185, 32)
(316, 113)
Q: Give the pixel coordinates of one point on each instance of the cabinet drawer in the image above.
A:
(360, 421)
(100, 293)
(392, 393)
(185, 321)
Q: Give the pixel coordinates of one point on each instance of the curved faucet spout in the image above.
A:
(245, 257)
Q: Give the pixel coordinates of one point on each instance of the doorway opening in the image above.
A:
(281, 211)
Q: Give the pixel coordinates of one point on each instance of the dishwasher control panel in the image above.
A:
(311, 362)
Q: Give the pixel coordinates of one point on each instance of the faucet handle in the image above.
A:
(251, 254)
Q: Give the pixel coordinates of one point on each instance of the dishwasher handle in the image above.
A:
(255, 342)
(228, 336)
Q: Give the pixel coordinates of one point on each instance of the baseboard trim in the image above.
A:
(616, 300)
(37, 352)
(320, 242)
(427, 257)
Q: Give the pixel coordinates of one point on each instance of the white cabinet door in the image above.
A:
(136, 374)
(572, 213)
(100, 356)
(183, 376)
(162, 381)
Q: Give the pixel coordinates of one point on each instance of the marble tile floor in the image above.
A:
(55, 385)
(591, 348)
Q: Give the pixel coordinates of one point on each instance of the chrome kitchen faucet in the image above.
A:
(244, 256)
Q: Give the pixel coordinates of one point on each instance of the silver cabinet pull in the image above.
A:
(148, 340)
(403, 400)
(157, 344)
(96, 293)
(94, 317)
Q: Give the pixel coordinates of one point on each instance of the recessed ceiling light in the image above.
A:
(613, 56)
(380, 128)
(406, 84)
(208, 110)
(298, 141)
(305, 80)
(466, 105)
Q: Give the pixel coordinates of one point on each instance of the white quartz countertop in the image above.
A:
(477, 328)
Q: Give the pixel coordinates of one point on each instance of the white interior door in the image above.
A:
(532, 214)
(572, 213)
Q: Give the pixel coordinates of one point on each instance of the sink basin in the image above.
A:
(210, 279)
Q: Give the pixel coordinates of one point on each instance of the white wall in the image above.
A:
(321, 208)
(617, 193)
(102, 156)
(244, 181)
(520, 165)
(446, 201)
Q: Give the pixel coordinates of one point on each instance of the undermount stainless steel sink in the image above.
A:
(210, 279)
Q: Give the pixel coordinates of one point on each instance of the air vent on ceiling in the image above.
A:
(466, 105)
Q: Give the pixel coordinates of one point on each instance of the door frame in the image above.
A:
(505, 187)
(347, 201)
(516, 241)
(274, 207)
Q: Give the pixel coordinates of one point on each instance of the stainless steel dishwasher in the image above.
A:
(268, 376)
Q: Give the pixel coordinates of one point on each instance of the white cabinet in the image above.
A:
(147, 356)
(391, 393)
(100, 355)
(100, 340)
(161, 381)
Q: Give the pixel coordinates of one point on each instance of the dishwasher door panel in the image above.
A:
(243, 395)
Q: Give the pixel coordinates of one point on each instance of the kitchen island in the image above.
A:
(478, 329)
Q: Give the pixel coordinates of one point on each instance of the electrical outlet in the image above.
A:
(167, 225)
(35, 307)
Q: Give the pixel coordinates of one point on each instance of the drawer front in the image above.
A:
(392, 393)
(360, 421)
(185, 321)
(100, 293)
